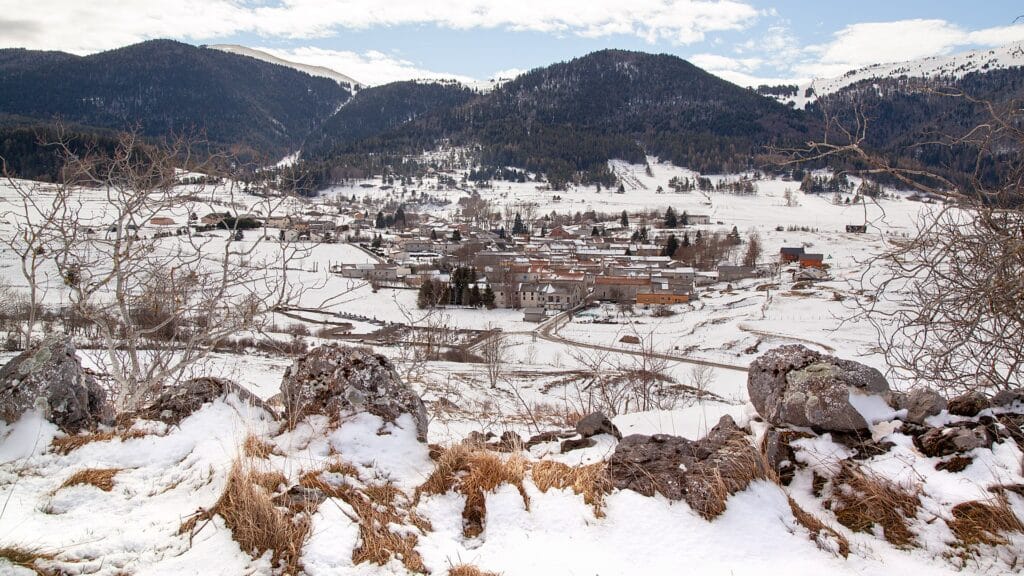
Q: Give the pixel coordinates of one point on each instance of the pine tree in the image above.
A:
(671, 245)
(426, 297)
(685, 219)
(624, 220)
(595, 232)
(670, 218)
(433, 234)
(456, 236)
(475, 296)
(517, 225)
(379, 224)
(487, 298)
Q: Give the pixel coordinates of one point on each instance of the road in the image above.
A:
(548, 331)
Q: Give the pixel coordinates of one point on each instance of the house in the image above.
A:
(698, 219)
(664, 298)
(733, 272)
(620, 288)
(534, 315)
(161, 221)
(857, 228)
(812, 261)
(789, 254)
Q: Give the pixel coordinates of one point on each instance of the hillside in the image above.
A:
(163, 86)
(567, 120)
(320, 71)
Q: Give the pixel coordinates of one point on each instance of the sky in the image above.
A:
(749, 42)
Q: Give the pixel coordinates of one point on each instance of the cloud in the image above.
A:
(84, 27)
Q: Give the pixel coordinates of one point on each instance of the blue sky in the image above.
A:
(746, 41)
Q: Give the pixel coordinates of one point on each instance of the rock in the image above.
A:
(1007, 398)
(301, 498)
(922, 403)
(779, 452)
(863, 445)
(701, 472)
(969, 404)
(510, 441)
(577, 443)
(49, 376)
(333, 378)
(954, 464)
(597, 423)
(175, 403)
(795, 386)
(953, 440)
(549, 436)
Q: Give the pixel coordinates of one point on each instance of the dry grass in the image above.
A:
(862, 499)
(256, 522)
(591, 481)
(254, 447)
(102, 478)
(27, 558)
(378, 508)
(474, 472)
(736, 465)
(67, 444)
(823, 535)
(469, 570)
(984, 523)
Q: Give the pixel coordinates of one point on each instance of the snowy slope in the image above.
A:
(308, 69)
(955, 66)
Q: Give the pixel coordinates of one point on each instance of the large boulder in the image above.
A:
(49, 376)
(597, 423)
(175, 403)
(703, 473)
(334, 378)
(795, 386)
(969, 404)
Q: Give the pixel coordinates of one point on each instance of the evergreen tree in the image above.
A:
(433, 234)
(595, 232)
(456, 236)
(685, 219)
(426, 297)
(377, 240)
(475, 296)
(670, 218)
(671, 245)
(686, 239)
(624, 220)
(379, 224)
(487, 298)
(517, 225)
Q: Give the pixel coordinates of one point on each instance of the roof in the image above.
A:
(792, 250)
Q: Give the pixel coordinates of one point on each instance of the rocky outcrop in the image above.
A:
(920, 403)
(333, 379)
(795, 386)
(969, 405)
(597, 423)
(1009, 398)
(49, 377)
(954, 439)
(703, 473)
(175, 403)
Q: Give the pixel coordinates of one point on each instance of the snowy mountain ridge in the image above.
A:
(320, 71)
(952, 66)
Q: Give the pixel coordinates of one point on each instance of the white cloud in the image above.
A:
(84, 27)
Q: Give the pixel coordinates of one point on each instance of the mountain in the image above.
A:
(319, 71)
(568, 119)
(948, 68)
(254, 108)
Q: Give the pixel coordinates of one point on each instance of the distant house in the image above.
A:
(789, 254)
(857, 228)
(812, 261)
(534, 315)
(732, 272)
(661, 298)
(620, 288)
(161, 221)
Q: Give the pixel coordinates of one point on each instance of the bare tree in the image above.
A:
(160, 303)
(948, 303)
(494, 351)
(753, 253)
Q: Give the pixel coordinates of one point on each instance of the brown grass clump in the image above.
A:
(68, 444)
(822, 534)
(736, 464)
(378, 507)
(468, 570)
(591, 481)
(984, 523)
(24, 558)
(474, 472)
(254, 447)
(256, 523)
(102, 478)
(862, 499)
